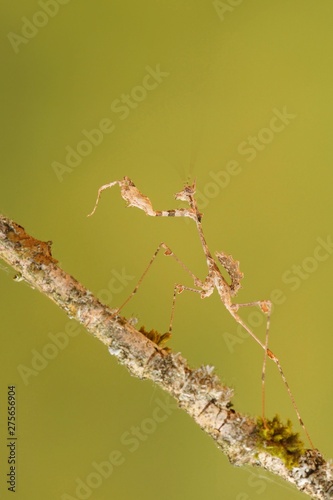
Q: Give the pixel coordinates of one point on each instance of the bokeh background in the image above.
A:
(265, 187)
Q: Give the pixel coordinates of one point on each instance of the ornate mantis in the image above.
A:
(214, 279)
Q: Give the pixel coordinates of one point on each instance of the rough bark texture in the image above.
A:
(197, 391)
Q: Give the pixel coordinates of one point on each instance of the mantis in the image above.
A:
(214, 279)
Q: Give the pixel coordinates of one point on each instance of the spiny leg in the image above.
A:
(167, 252)
(270, 354)
(177, 290)
(266, 307)
(140, 280)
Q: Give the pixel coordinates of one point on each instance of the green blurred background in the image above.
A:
(228, 69)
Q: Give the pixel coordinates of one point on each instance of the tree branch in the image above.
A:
(198, 391)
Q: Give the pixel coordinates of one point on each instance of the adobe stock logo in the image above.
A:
(293, 277)
(58, 342)
(30, 28)
(41, 358)
(223, 8)
(130, 441)
(253, 145)
(122, 107)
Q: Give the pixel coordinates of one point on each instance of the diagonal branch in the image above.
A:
(198, 391)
